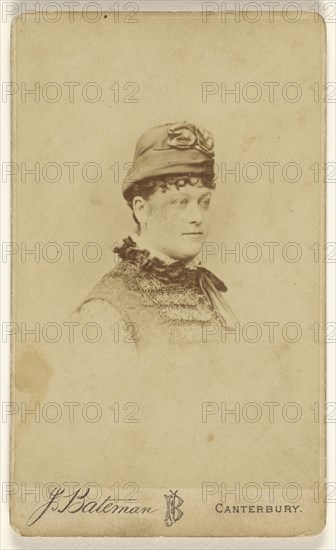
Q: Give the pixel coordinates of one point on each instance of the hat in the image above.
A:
(173, 148)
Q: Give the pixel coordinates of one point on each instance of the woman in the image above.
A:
(159, 288)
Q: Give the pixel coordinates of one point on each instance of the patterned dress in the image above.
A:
(161, 300)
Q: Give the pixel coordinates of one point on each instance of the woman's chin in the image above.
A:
(185, 254)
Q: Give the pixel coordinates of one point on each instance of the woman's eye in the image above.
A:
(180, 202)
(205, 202)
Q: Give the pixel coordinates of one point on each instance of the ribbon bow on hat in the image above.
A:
(183, 135)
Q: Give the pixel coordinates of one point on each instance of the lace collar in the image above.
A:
(141, 244)
(181, 272)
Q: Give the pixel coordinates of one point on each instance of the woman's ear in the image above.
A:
(140, 209)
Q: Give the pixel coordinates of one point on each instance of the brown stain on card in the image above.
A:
(32, 374)
(247, 142)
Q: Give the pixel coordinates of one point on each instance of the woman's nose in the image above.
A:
(195, 213)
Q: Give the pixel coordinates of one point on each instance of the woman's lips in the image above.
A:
(194, 235)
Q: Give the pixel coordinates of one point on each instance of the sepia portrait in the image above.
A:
(159, 285)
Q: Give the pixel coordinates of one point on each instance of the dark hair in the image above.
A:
(148, 186)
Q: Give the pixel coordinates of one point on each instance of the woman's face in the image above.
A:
(175, 221)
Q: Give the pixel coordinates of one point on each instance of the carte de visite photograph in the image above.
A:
(168, 280)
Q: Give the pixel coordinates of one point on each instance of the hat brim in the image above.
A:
(201, 168)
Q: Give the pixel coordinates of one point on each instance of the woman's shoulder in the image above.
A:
(98, 308)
